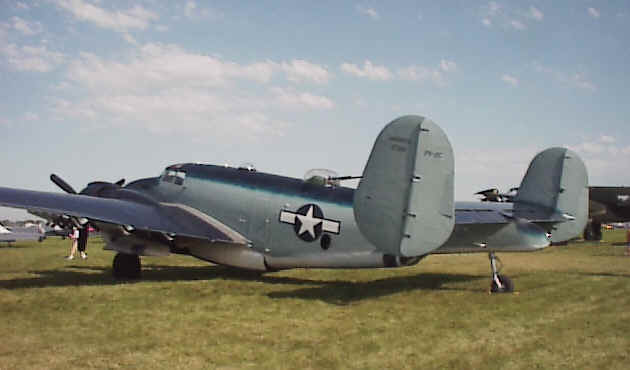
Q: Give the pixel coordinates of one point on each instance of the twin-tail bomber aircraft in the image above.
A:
(402, 211)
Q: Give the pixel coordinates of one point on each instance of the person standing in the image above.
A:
(82, 240)
(74, 236)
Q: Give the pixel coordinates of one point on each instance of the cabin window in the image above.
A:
(179, 177)
(174, 177)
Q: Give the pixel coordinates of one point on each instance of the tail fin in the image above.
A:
(556, 183)
(404, 202)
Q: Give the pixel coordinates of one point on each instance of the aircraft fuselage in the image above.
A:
(295, 223)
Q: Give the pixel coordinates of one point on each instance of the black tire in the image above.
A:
(126, 266)
(507, 285)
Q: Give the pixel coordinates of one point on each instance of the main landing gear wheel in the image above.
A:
(500, 283)
(126, 266)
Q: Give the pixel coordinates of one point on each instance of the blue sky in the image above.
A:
(101, 90)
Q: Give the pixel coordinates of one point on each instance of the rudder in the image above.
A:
(404, 202)
(556, 182)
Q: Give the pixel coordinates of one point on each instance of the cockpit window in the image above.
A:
(176, 177)
(322, 177)
(180, 176)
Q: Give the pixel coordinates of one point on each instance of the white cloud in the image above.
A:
(22, 5)
(370, 12)
(603, 145)
(165, 88)
(120, 21)
(287, 98)
(575, 80)
(593, 12)
(226, 112)
(369, 71)
(509, 17)
(540, 68)
(536, 13)
(193, 11)
(448, 65)
(493, 8)
(130, 39)
(30, 116)
(31, 58)
(511, 80)
(159, 66)
(415, 73)
(604, 159)
(359, 102)
(517, 25)
(26, 28)
(581, 82)
(421, 73)
(489, 12)
(189, 9)
(299, 70)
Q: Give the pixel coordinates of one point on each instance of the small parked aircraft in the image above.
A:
(607, 204)
(402, 210)
(15, 234)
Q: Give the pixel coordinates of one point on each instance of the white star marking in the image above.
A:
(308, 222)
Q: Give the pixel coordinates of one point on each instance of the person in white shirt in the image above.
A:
(75, 241)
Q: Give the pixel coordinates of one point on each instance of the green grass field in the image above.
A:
(571, 310)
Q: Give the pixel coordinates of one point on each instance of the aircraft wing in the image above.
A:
(166, 218)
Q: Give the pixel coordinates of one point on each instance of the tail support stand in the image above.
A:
(500, 283)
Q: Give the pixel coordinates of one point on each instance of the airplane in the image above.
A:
(402, 211)
(607, 204)
(494, 195)
(14, 234)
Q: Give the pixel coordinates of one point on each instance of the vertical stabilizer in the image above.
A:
(404, 202)
(556, 182)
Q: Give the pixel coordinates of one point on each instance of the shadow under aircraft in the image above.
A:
(402, 211)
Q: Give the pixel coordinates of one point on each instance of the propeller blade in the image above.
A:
(120, 182)
(62, 184)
